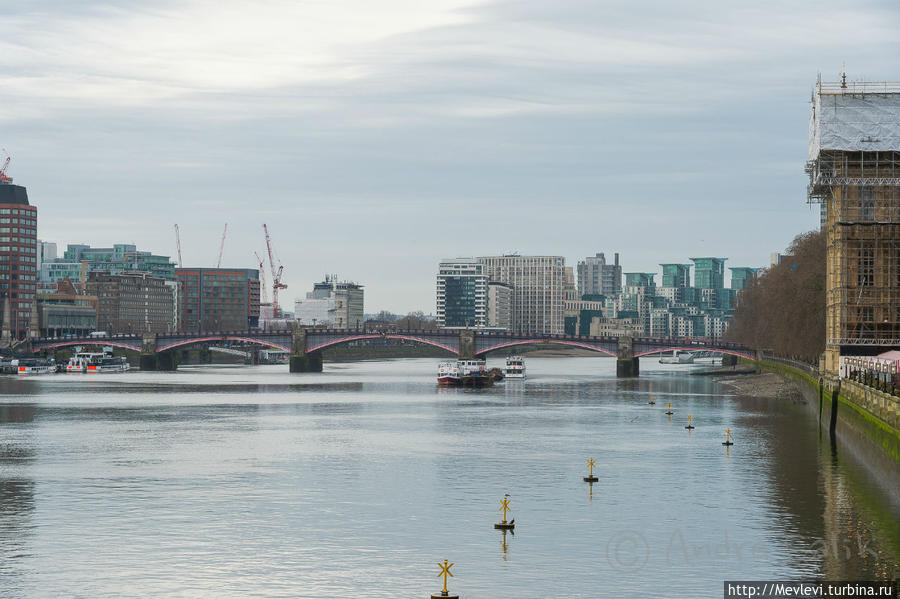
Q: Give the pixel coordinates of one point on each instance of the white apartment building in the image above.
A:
(538, 283)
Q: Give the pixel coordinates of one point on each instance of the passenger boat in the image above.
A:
(448, 374)
(110, 364)
(678, 357)
(515, 367)
(96, 362)
(36, 366)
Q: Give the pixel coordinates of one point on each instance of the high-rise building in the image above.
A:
(499, 305)
(538, 290)
(134, 302)
(121, 257)
(18, 257)
(741, 276)
(332, 303)
(218, 299)
(596, 277)
(709, 273)
(46, 251)
(676, 275)
(854, 171)
(462, 294)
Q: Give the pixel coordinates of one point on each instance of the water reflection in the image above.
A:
(268, 483)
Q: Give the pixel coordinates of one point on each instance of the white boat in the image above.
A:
(678, 357)
(96, 362)
(36, 366)
(515, 367)
(448, 374)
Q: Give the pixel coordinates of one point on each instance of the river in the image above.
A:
(250, 481)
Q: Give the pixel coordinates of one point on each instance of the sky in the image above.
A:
(376, 138)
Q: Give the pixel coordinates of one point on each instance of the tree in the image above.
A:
(783, 309)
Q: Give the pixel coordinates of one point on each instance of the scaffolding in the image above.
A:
(854, 172)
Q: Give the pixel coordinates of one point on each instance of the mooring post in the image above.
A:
(626, 364)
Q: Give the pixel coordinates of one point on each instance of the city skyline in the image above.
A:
(401, 127)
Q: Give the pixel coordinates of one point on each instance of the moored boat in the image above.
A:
(472, 373)
(96, 362)
(448, 374)
(678, 357)
(515, 367)
(36, 366)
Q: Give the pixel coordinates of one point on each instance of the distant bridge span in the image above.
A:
(306, 344)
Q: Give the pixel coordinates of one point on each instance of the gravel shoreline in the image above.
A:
(764, 384)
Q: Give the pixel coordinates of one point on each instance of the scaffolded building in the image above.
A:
(854, 172)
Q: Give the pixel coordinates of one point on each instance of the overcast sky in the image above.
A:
(377, 137)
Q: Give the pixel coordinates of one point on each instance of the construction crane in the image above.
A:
(178, 243)
(262, 279)
(3, 177)
(276, 275)
(222, 246)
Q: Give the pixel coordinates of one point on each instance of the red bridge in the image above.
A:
(306, 344)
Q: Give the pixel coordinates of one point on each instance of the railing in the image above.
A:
(810, 369)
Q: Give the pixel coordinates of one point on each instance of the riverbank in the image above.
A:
(760, 384)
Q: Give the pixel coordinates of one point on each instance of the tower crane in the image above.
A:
(3, 177)
(178, 243)
(222, 246)
(262, 279)
(276, 275)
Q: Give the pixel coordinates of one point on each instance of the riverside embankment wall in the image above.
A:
(862, 421)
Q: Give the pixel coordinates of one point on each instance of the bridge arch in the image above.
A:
(424, 341)
(99, 342)
(694, 348)
(579, 344)
(193, 340)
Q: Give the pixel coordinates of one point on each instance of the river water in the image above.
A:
(355, 482)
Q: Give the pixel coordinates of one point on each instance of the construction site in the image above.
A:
(854, 173)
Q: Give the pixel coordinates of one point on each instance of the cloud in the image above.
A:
(378, 138)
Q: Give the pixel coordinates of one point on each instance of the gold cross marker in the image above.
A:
(504, 506)
(445, 572)
(591, 465)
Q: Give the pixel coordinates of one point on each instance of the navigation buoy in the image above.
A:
(590, 478)
(727, 440)
(651, 402)
(669, 412)
(503, 524)
(445, 572)
(690, 424)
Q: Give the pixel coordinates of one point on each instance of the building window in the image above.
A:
(865, 276)
(866, 203)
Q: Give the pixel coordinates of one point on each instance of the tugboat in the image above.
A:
(468, 373)
(472, 373)
(515, 367)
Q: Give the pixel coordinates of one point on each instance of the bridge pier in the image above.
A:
(151, 360)
(301, 361)
(467, 344)
(626, 364)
